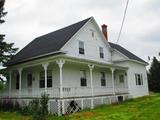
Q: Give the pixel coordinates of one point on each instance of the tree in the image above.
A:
(6, 49)
(154, 76)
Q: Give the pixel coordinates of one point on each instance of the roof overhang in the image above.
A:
(35, 58)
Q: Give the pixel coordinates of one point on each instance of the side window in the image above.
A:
(121, 78)
(101, 53)
(81, 47)
(83, 79)
(139, 79)
(103, 79)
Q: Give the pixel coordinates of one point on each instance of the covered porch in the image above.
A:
(65, 77)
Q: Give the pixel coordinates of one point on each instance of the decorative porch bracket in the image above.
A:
(60, 63)
(91, 66)
(20, 80)
(112, 70)
(45, 65)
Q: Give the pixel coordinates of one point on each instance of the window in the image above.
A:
(92, 34)
(139, 79)
(17, 81)
(101, 54)
(81, 47)
(121, 78)
(83, 78)
(29, 80)
(42, 79)
(103, 79)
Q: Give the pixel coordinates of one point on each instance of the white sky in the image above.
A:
(27, 19)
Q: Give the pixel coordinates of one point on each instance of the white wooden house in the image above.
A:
(76, 63)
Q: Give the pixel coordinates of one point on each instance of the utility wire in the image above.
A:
(125, 11)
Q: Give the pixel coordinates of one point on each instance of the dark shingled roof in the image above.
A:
(48, 43)
(126, 52)
(51, 43)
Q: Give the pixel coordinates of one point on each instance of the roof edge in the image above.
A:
(36, 57)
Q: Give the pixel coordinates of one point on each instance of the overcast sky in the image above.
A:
(28, 19)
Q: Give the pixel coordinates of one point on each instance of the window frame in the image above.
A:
(139, 79)
(121, 79)
(17, 81)
(101, 52)
(81, 47)
(103, 79)
(83, 78)
(42, 79)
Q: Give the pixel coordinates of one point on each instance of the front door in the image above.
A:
(29, 83)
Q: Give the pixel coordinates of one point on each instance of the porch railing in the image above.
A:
(67, 92)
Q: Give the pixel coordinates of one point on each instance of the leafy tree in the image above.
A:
(154, 76)
(6, 49)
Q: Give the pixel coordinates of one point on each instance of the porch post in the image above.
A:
(91, 66)
(91, 77)
(45, 65)
(60, 63)
(20, 80)
(112, 70)
(10, 79)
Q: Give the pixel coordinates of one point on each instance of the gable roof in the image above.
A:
(49, 43)
(126, 52)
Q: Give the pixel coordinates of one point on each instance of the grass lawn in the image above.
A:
(145, 108)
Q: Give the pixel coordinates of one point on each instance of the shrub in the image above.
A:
(16, 106)
(39, 107)
(7, 104)
(44, 104)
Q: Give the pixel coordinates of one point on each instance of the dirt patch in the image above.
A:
(85, 115)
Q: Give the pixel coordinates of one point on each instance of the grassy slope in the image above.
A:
(145, 108)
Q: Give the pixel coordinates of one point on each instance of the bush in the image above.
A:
(37, 108)
(44, 104)
(34, 109)
(7, 104)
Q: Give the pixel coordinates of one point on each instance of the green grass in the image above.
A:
(145, 108)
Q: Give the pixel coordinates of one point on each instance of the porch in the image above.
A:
(66, 78)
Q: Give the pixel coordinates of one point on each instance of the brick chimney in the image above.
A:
(104, 31)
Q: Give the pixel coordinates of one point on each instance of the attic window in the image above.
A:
(92, 33)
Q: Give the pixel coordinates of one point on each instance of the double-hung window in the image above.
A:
(81, 47)
(17, 81)
(103, 79)
(83, 79)
(101, 53)
(121, 78)
(42, 79)
(139, 79)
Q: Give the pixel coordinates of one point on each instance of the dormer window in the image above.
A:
(101, 54)
(81, 47)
